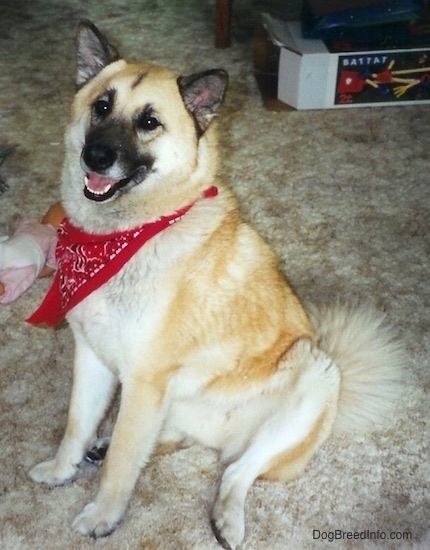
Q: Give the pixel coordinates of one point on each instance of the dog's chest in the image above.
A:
(122, 317)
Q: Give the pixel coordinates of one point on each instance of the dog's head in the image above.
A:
(138, 139)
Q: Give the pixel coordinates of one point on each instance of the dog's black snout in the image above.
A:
(99, 157)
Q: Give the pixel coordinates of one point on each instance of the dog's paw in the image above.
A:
(52, 473)
(95, 521)
(228, 525)
(97, 452)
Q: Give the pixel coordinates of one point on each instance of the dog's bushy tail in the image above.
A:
(371, 361)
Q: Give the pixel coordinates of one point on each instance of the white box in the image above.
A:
(312, 77)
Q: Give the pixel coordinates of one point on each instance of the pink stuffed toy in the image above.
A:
(29, 253)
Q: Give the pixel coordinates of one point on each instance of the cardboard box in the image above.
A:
(310, 76)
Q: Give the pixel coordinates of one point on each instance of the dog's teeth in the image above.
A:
(87, 181)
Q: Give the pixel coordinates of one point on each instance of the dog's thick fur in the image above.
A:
(206, 337)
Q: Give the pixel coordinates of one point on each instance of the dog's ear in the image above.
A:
(93, 54)
(202, 94)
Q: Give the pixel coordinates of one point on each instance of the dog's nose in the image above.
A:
(99, 157)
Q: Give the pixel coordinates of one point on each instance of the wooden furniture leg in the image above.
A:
(223, 23)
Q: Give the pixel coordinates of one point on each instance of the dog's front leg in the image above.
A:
(134, 436)
(92, 389)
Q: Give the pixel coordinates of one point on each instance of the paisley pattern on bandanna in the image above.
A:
(87, 261)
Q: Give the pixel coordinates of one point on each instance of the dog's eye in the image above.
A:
(147, 121)
(102, 108)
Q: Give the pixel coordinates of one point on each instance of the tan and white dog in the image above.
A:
(204, 334)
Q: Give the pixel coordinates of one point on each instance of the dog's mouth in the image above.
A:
(101, 188)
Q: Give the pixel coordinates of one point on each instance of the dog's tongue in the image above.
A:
(99, 184)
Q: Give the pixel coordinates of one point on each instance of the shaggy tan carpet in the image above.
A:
(343, 196)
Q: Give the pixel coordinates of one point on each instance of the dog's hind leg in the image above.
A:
(285, 441)
(93, 385)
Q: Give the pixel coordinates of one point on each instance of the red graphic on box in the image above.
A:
(350, 82)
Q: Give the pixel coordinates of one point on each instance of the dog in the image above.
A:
(204, 334)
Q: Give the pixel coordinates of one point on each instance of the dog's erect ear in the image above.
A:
(94, 52)
(203, 93)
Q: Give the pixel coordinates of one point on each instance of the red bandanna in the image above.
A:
(87, 261)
